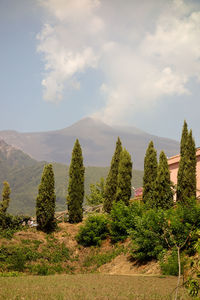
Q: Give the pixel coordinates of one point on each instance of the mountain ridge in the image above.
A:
(96, 138)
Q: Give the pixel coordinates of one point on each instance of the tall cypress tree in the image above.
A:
(186, 187)
(45, 202)
(5, 197)
(184, 138)
(123, 192)
(76, 185)
(164, 194)
(193, 161)
(111, 180)
(150, 174)
(182, 162)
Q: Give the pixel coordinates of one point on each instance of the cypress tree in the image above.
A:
(150, 175)
(111, 180)
(186, 187)
(45, 202)
(193, 161)
(76, 185)
(182, 162)
(5, 197)
(124, 177)
(164, 194)
(184, 137)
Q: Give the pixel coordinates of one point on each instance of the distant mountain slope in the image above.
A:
(97, 140)
(24, 173)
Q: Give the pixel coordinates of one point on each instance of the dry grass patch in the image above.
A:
(88, 287)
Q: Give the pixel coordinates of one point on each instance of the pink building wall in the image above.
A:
(173, 163)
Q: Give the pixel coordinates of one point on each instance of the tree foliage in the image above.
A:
(150, 175)
(164, 194)
(45, 203)
(5, 197)
(123, 192)
(96, 195)
(111, 180)
(75, 195)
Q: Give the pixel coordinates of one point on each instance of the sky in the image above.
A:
(125, 62)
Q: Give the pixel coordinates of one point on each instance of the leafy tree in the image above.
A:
(164, 194)
(76, 185)
(96, 193)
(186, 185)
(5, 197)
(147, 236)
(45, 203)
(123, 191)
(181, 224)
(111, 180)
(150, 175)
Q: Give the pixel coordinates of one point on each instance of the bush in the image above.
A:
(17, 260)
(41, 269)
(123, 219)
(94, 231)
(148, 240)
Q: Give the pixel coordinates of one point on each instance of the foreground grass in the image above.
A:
(88, 287)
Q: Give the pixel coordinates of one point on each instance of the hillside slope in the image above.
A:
(97, 140)
(24, 173)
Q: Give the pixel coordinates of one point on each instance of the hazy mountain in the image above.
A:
(97, 140)
(24, 174)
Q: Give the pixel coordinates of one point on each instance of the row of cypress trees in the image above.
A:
(118, 187)
(45, 202)
(157, 187)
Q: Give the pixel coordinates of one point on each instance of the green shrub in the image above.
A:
(9, 274)
(93, 231)
(41, 269)
(17, 260)
(147, 237)
(123, 219)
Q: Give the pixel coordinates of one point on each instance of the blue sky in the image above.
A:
(125, 62)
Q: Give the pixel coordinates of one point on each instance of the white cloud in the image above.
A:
(65, 45)
(140, 64)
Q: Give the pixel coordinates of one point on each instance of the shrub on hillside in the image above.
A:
(93, 231)
(123, 219)
(148, 239)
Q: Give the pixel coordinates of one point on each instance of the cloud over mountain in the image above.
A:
(144, 50)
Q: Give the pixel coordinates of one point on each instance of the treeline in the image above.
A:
(158, 227)
(117, 187)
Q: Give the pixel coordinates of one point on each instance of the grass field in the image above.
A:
(88, 287)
